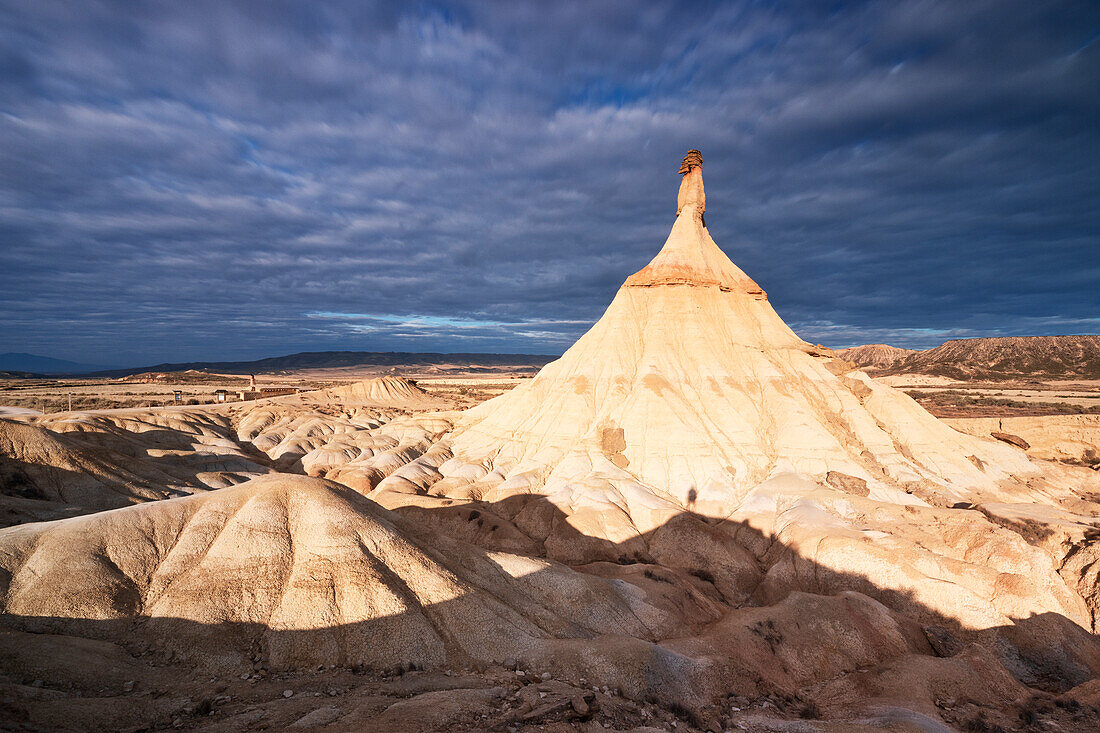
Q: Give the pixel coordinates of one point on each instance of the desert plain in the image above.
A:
(693, 520)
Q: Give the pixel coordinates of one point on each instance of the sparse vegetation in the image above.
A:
(704, 575)
(979, 724)
(1033, 532)
(959, 403)
(654, 575)
(809, 711)
(1012, 357)
(769, 632)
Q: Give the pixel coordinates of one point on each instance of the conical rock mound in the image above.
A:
(691, 390)
(387, 391)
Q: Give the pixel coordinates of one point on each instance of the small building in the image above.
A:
(259, 394)
(255, 392)
(275, 391)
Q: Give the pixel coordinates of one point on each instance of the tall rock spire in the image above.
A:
(690, 256)
(691, 187)
(690, 391)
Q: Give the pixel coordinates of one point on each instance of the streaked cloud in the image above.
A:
(224, 180)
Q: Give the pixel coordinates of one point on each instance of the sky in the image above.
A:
(232, 180)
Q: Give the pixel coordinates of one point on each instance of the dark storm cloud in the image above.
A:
(234, 180)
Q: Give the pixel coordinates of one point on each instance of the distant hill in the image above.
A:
(7, 374)
(877, 356)
(190, 376)
(338, 359)
(20, 362)
(1063, 357)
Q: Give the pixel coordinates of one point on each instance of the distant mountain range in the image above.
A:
(339, 359)
(1063, 357)
(979, 358)
(34, 364)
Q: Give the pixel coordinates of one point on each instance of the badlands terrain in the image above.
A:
(992, 377)
(1021, 357)
(464, 378)
(692, 520)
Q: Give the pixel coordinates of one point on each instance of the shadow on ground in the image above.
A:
(761, 634)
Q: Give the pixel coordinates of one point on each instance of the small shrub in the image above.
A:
(978, 724)
(649, 573)
(768, 631)
(684, 713)
(810, 711)
(703, 575)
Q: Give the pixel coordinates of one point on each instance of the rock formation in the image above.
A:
(878, 357)
(690, 391)
(692, 516)
(1066, 438)
(690, 394)
(63, 464)
(321, 573)
(1007, 357)
(385, 391)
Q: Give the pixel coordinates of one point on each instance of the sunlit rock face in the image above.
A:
(691, 394)
(1071, 439)
(690, 391)
(326, 574)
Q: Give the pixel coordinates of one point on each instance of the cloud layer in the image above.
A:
(224, 180)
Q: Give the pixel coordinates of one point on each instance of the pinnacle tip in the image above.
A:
(693, 159)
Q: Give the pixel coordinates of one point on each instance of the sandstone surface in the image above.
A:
(1069, 438)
